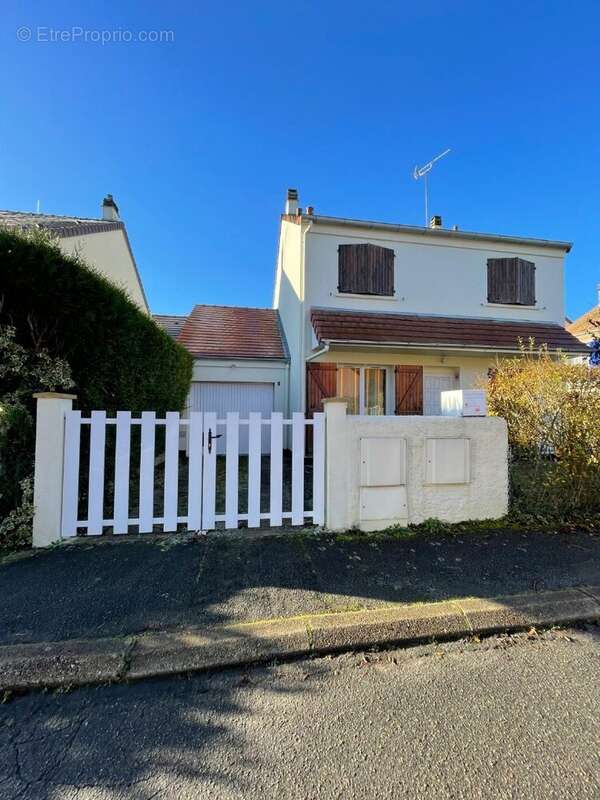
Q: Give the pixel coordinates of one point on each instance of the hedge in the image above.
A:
(119, 357)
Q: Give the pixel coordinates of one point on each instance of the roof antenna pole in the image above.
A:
(423, 172)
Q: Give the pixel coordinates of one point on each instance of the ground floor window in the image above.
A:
(364, 388)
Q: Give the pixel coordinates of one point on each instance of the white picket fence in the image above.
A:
(200, 430)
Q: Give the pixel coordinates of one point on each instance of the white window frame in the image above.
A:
(389, 375)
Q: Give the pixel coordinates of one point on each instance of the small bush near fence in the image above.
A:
(22, 372)
(59, 310)
(552, 408)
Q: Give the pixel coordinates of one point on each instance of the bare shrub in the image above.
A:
(552, 408)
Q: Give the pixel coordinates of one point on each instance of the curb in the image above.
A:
(74, 663)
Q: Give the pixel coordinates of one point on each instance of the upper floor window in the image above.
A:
(366, 269)
(511, 280)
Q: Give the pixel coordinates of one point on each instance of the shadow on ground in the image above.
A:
(89, 590)
(118, 739)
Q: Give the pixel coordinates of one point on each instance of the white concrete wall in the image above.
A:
(445, 277)
(485, 496)
(288, 297)
(109, 254)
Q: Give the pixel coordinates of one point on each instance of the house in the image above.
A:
(102, 242)
(388, 316)
(241, 362)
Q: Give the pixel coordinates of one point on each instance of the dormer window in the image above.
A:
(366, 269)
(511, 281)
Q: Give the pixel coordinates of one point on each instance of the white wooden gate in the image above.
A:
(160, 504)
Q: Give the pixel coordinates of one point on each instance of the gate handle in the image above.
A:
(212, 436)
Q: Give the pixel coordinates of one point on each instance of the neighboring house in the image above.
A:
(587, 329)
(241, 362)
(103, 243)
(587, 326)
(388, 316)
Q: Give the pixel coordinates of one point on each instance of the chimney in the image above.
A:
(435, 222)
(110, 210)
(291, 204)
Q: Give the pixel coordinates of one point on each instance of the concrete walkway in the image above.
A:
(95, 612)
(95, 589)
(171, 652)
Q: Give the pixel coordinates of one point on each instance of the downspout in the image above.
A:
(320, 352)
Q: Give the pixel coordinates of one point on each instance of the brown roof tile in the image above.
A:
(233, 332)
(415, 330)
(587, 325)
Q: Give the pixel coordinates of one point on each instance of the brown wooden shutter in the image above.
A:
(409, 390)
(526, 282)
(366, 269)
(511, 280)
(321, 382)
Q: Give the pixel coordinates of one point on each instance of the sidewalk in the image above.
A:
(80, 662)
(91, 590)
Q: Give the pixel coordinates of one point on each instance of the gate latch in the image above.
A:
(212, 436)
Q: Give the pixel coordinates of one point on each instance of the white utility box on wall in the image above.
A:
(382, 461)
(464, 403)
(383, 499)
(447, 461)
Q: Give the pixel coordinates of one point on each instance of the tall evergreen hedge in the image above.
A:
(119, 358)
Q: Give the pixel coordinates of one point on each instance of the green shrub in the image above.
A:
(64, 326)
(119, 358)
(22, 371)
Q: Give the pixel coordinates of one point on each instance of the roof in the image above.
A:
(412, 330)
(172, 323)
(431, 233)
(61, 226)
(233, 332)
(587, 325)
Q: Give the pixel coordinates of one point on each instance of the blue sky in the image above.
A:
(199, 138)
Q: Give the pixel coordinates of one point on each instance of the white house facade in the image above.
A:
(103, 243)
(388, 316)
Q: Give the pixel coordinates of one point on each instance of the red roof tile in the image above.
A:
(233, 332)
(587, 325)
(415, 330)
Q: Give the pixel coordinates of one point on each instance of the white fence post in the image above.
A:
(336, 464)
(49, 459)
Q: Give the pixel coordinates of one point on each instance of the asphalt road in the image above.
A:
(509, 717)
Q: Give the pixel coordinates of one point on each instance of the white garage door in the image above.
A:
(240, 397)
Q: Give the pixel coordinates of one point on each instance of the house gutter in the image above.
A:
(432, 233)
(319, 352)
(343, 343)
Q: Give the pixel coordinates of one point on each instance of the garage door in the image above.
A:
(240, 397)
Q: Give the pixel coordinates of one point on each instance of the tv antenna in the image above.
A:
(423, 172)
